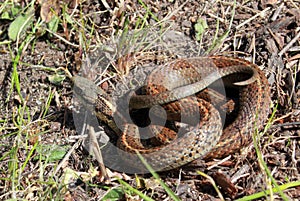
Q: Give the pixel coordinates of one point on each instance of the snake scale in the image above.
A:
(206, 139)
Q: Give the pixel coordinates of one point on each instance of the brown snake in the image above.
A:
(201, 141)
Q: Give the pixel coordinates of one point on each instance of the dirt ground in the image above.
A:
(37, 110)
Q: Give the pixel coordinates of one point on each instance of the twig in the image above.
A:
(94, 150)
(105, 4)
(295, 39)
(294, 153)
(67, 156)
(252, 18)
(220, 162)
(61, 38)
(276, 13)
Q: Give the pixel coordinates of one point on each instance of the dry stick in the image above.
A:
(61, 38)
(289, 45)
(254, 48)
(276, 13)
(94, 149)
(274, 36)
(219, 162)
(294, 153)
(252, 18)
(67, 156)
(294, 4)
(241, 6)
(286, 124)
(216, 17)
(105, 4)
(297, 56)
(293, 83)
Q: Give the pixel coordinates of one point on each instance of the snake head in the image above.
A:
(86, 90)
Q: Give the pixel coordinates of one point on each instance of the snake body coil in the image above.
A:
(167, 87)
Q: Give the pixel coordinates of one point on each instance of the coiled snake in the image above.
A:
(184, 78)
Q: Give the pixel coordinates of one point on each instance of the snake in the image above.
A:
(182, 79)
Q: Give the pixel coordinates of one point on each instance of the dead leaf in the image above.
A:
(49, 8)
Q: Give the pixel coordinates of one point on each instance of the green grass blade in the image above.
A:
(156, 176)
(139, 193)
(267, 192)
